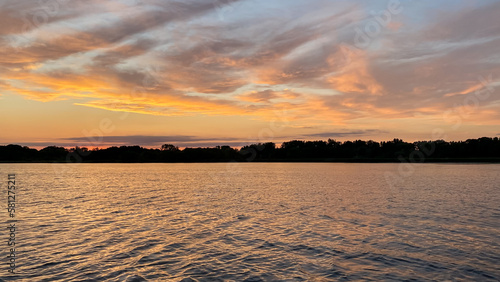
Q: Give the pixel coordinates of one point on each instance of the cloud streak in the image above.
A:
(352, 133)
(250, 58)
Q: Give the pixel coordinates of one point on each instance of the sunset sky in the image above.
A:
(227, 72)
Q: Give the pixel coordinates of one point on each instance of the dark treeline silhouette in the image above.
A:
(484, 149)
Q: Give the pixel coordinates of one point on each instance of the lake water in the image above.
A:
(254, 222)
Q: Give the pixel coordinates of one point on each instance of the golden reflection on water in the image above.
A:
(293, 221)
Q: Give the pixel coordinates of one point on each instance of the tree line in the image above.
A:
(481, 149)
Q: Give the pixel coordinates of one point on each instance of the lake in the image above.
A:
(254, 222)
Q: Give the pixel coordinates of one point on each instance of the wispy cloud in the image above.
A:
(352, 133)
(145, 139)
(249, 58)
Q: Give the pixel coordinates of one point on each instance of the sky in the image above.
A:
(228, 72)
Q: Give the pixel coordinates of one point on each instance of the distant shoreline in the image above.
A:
(446, 160)
(481, 150)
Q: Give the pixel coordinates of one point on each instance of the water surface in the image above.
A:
(255, 222)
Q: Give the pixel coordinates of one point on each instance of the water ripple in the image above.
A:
(271, 222)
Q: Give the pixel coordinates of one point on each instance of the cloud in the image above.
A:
(177, 58)
(351, 133)
(149, 141)
(267, 95)
(145, 139)
(467, 24)
(155, 141)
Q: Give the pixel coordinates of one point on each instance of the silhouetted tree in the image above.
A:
(169, 147)
(53, 153)
(484, 148)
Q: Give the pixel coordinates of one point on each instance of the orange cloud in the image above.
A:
(267, 95)
(467, 91)
(355, 77)
(175, 60)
